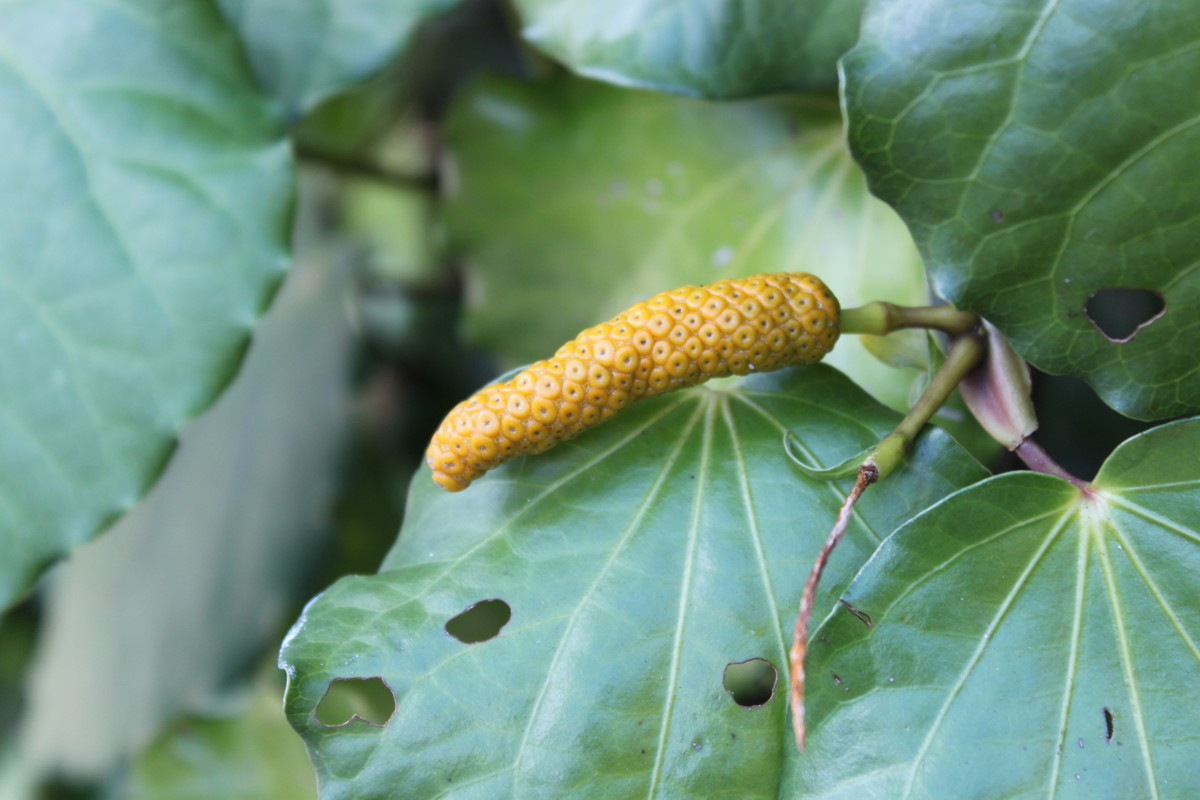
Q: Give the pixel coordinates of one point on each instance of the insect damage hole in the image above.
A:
(751, 683)
(368, 700)
(480, 622)
(1119, 313)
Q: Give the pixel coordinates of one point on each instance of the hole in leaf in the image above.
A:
(1120, 313)
(751, 683)
(480, 622)
(369, 700)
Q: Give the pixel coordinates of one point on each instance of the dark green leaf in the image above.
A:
(1013, 624)
(566, 204)
(304, 51)
(715, 48)
(638, 561)
(1042, 152)
(143, 230)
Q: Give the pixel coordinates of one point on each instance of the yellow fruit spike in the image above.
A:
(675, 339)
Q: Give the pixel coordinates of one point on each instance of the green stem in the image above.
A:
(966, 352)
(881, 318)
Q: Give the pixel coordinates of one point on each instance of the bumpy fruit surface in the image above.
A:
(675, 339)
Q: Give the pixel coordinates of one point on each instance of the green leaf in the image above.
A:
(638, 562)
(1040, 153)
(1010, 621)
(564, 204)
(714, 49)
(304, 51)
(197, 580)
(143, 230)
(252, 755)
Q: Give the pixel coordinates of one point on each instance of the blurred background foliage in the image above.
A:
(441, 177)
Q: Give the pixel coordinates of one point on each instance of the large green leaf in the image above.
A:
(638, 561)
(194, 583)
(711, 48)
(563, 202)
(304, 51)
(1042, 152)
(250, 755)
(1029, 641)
(142, 232)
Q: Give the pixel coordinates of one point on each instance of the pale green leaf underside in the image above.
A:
(1007, 620)
(143, 229)
(304, 51)
(565, 203)
(702, 48)
(1041, 151)
(639, 560)
(209, 563)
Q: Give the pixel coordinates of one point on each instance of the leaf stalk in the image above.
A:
(966, 353)
(881, 318)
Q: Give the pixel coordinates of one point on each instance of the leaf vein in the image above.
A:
(689, 564)
(981, 648)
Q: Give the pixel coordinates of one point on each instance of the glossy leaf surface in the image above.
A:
(1042, 152)
(638, 561)
(1028, 641)
(143, 230)
(709, 48)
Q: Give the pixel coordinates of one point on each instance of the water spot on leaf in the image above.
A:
(751, 683)
(480, 621)
(1119, 313)
(368, 700)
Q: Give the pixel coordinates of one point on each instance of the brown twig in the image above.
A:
(867, 474)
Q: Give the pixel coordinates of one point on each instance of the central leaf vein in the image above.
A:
(1122, 641)
(1072, 670)
(689, 563)
(753, 528)
(574, 615)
